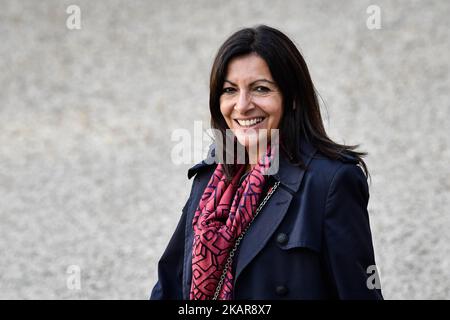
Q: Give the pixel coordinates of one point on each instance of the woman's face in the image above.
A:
(250, 99)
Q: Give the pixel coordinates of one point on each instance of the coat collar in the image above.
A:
(271, 215)
(288, 174)
(208, 161)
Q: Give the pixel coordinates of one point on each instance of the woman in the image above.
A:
(301, 232)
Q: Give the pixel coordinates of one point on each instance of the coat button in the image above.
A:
(281, 290)
(282, 238)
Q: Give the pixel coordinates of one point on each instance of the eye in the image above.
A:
(262, 89)
(228, 90)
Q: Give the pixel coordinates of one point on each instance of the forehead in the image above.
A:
(248, 67)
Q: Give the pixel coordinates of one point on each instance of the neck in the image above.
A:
(253, 157)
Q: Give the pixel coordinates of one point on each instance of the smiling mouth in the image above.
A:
(249, 123)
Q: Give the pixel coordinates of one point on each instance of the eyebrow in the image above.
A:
(263, 80)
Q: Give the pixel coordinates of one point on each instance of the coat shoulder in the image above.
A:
(208, 162)
(327, 167)
(309, 205)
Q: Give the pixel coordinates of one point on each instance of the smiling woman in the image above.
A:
(250, 100)
(301, 232)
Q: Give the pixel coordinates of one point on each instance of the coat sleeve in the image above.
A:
(349, 253)
(170, 266)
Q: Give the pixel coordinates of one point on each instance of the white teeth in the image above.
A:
(249, 123)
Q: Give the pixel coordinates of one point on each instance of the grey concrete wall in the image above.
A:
(86, 117)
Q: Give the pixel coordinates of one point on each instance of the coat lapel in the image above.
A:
(268, 220)
(271, 215)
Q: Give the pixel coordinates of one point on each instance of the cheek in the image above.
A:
(226, 113)
(279, 115)
(224, 108)
(276, 112)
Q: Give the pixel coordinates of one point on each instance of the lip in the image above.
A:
(250, 118)
(255, 126)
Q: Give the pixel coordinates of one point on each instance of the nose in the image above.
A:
(244, 102)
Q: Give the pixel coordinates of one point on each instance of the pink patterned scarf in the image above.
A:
(225, 209)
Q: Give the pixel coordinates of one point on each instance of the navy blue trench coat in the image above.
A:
(312, 239)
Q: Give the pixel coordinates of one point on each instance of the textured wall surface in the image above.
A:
(86, 118)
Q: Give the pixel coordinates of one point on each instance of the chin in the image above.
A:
(248, 140)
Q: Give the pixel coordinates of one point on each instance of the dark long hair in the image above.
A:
(301, 110)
